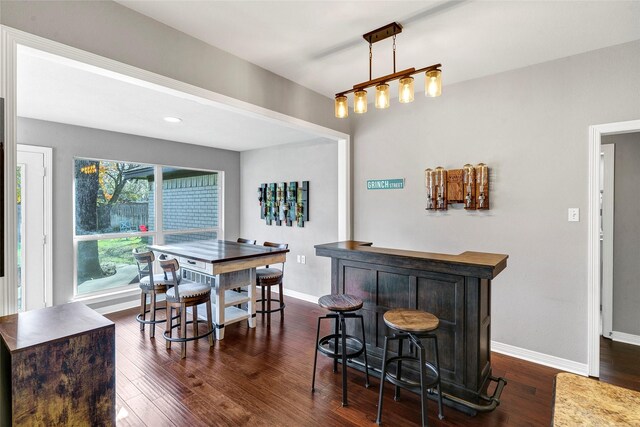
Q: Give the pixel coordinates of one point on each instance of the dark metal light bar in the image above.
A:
(389, 78)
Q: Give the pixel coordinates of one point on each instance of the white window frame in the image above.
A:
(157, 234)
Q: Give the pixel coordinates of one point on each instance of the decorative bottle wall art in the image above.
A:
(469, 185)
(284, 202)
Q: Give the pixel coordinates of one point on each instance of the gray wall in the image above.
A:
(108, 29)
(531, 127)
(626, 231)
(74, 141)
(316, 162)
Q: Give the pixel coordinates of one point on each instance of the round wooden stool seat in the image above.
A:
(411, 320)
(340, 302)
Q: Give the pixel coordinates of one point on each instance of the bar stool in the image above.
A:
(180, 297)
(414, 325)
(343, 307)
(266, 278)
(151, 285)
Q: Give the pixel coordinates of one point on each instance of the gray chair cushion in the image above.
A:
(268, 273)
(159, 279)
(188, 289)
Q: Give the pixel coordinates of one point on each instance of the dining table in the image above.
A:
(227, 266)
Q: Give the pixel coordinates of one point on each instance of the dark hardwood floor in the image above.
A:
(620, 364)
(262, 376)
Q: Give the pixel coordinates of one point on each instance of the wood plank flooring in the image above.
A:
(262, 376)
(620, 364)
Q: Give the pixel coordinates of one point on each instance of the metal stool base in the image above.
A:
(427, 382)
(340, 349)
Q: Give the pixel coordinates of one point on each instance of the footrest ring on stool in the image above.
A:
(280, 306)
(334, 354)
(152, 322)
(177, 339)
(413, 386)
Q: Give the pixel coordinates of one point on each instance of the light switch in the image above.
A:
(574, 215)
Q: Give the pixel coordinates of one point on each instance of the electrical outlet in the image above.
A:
(303, 259)
(574, 214)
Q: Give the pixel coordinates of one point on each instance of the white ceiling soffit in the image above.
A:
(319, 44)
(61, 90)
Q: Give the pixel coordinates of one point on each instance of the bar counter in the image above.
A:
(456, 288)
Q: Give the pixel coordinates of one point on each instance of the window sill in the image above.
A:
(106, 297)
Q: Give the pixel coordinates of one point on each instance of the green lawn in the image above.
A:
(118, 251)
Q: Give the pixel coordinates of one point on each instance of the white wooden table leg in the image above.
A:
(251, 304)
(220, 307)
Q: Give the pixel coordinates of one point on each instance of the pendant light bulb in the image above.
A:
(405, 90)
(360, 102)
(433, 83)
(342, 108)
(382, 96)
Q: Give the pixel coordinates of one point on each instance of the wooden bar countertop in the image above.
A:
(480, 264)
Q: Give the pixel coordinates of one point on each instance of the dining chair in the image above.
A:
(183, 295)
(248, 241)
(151, 285)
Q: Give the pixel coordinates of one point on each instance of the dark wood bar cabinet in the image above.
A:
(455, 288)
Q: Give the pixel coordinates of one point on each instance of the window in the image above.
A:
(187, 200)
(115, 212)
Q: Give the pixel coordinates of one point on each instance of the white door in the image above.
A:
(32, 208)
(607, 204)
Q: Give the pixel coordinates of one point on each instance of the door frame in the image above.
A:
(594, 256)
(608, 200)
(47, 153)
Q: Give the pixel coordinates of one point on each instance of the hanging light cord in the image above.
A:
(370, 59)
(394, 55)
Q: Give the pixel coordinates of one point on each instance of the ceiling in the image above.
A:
(319, 44)
(61, 90)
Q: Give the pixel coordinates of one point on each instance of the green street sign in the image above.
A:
(385, 184)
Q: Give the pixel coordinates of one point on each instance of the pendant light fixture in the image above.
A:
(405, 90)
(342, 107)
(433, 79)
(382, 96)
(360, 102)
(433, 83)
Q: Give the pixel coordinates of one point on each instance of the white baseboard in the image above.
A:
(302, 296)
(624, 337)
(541, 358)
(298, 295)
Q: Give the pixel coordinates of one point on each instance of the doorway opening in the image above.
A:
(596, 227)
(620, 342)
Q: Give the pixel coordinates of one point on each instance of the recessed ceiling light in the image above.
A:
(172, 119)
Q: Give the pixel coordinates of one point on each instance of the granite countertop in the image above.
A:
(589, 402)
